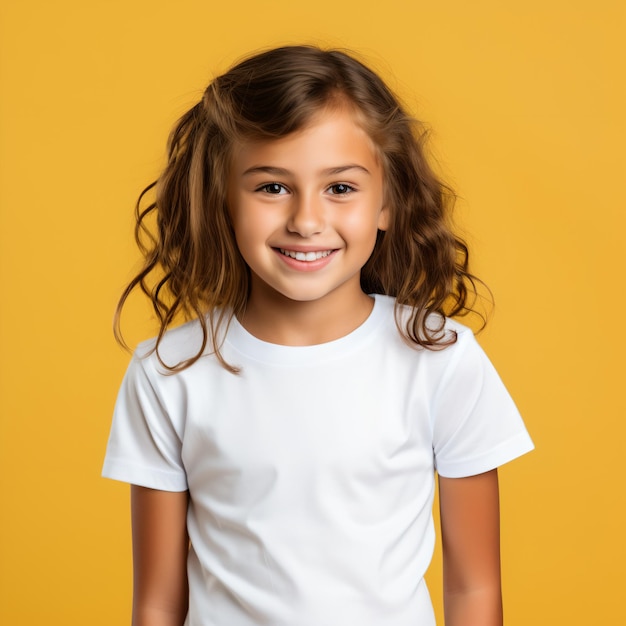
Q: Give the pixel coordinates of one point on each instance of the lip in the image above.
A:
(305, 266)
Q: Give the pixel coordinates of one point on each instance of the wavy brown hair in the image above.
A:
(193, 268)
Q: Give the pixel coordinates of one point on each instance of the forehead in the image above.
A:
(333, 138)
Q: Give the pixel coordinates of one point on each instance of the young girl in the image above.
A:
(282, 444)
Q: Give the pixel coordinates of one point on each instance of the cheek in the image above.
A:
(255, 224)
(362, 223)
(244, 231)
(252, 230)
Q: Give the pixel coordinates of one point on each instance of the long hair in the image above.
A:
(192, 266)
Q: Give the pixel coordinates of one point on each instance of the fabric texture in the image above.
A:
(311, 473)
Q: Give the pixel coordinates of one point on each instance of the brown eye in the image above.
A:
(273, 188)
(340, 189)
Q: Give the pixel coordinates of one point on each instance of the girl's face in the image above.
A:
(306, 209)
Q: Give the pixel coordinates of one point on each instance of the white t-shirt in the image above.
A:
(311, 473)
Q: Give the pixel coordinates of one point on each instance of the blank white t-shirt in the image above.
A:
(311, 473)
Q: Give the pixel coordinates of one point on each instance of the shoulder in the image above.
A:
(432, 368)
(445, 327)
(178, 344)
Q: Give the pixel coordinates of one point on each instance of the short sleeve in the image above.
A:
(144, 446)
(476, 425)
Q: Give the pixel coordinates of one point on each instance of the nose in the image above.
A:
(307, 215)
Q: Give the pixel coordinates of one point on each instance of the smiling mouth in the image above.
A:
(305, 256)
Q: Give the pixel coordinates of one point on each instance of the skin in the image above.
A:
(470, 529)
(318, 190)
(160, 546)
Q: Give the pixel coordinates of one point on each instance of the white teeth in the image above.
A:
(305, 256)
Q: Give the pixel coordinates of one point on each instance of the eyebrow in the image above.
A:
(281, 171)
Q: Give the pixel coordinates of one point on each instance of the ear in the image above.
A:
(383, 218)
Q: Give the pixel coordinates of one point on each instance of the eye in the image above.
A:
(273, 188)
(340, 189)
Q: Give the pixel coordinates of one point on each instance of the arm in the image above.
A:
(160, 546)
(470, 529)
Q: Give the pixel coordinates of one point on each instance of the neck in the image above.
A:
(273, 318)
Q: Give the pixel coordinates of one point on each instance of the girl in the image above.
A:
(282, 444)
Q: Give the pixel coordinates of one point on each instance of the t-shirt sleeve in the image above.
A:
(476, 425)
(144, 445)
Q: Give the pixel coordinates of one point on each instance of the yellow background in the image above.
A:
(526, 101)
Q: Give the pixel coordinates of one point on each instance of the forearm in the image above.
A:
(159, 605)
(476, 607)
(154, 616)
